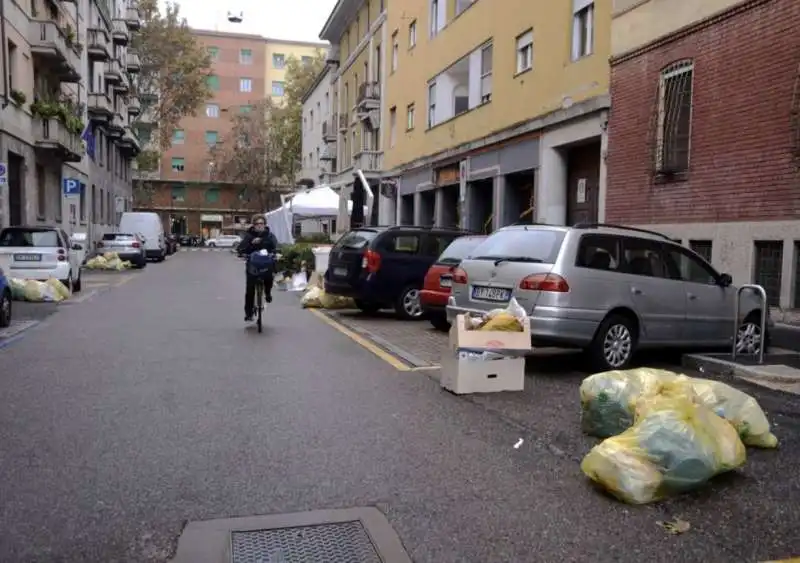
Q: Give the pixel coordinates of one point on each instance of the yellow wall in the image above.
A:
(637, 23)
(514, 99)
(297, 50)
(355, 39)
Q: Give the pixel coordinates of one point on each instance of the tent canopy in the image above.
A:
(321, 202)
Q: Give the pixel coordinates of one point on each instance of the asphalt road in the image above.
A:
(150, 405)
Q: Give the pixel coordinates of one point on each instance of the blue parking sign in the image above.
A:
(72, 187)
(3, 173)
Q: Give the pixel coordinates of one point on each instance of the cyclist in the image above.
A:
(258, 237)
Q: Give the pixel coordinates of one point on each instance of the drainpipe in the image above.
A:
(6, 79)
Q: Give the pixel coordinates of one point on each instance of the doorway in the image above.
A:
(519, 200)
(16, 190)
(583, 183)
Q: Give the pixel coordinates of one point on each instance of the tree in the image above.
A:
(173, 81)
(250, 155)
(299, 78)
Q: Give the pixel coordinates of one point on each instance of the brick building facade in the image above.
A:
(703, 140)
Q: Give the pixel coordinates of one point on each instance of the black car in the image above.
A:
(172, 244)
(385, 267)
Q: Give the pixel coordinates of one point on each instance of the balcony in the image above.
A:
(133, 63)
(132, 17)
(343, 123)
(115, 127)
(329, 129)
(369, 96)
(327, 155)
(98, 44)
(55, 137)
(55, 47)
(119, 32)
(99, 106)
(113, 71)
(123, 85)
(369, 162)
(129, 143)
(134, 106)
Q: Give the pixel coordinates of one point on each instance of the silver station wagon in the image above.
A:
(607, 289)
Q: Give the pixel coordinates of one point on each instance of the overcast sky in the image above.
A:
(300, 20)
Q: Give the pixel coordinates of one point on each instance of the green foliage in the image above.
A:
(296, 257)
(148, 160)
(64, 110)
(175, 67)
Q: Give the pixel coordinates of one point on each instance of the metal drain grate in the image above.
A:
(345, 542)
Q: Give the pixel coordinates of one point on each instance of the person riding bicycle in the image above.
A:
(258, 237)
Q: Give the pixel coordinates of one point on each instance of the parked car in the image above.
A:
(439, 279)
(171, 242)
(150, 229)
(608, 289)
(40, 253)
(5, 300)
(385, 267)
(128, 247)
(224, 241)
(80, 240)
(189, 240)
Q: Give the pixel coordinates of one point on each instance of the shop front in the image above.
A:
(210, 225)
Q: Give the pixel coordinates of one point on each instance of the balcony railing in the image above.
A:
(369, 93)
(98, 44)
(329, 129)
(134, 106)
(129, 141)
(113, 71)
(115, 126)
(119, 32)
(133, 62)
(48, 41)
(369, 161)
(132, 18)
(99, 104)
(53, 135)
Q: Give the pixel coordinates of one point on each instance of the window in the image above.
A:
(769, 268)
(212, 110)
(178, 137)
(306, 60)
(278, 60)
(486, 74)
(582, 28)
(703, 248)
(177, 165)
(13, 53)
(525, 51)
(277, 88)
(311, 120)
(212, 195)
(434, 17)
(410, 117)
(674, 119)
(245, 85)
(540, 244)
(690, 268)
(643, 257)
(246, 57)
(412, 34)
(432, 104)
(402, 244)
(213, 82)
(41, 191)
(213, 52)
(178, 193)
(82, 203)
(392, 126)
(211, 138)
(395, 51)
(598, 252)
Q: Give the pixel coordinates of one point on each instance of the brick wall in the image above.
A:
(745, 70)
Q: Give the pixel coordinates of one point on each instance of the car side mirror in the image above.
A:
(725, 280)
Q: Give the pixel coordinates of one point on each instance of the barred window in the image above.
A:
(674, 118)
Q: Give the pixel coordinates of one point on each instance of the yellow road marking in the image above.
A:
(363, 342)
(425, 368)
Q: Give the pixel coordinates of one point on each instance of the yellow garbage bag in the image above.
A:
(502, 322)
(17, 289)
(674, 446)
(312, 298)
(97, 263)
(59, 288)
(738, 408)
(329, 301)
(40, 292)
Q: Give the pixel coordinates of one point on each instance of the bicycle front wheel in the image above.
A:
(259, 305)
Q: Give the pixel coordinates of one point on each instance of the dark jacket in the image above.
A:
(268, 242)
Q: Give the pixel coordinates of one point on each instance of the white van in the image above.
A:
(148, 225)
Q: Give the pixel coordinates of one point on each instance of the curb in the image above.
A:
(700, 362)
(12, 334)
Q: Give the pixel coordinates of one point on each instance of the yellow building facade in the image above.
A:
(277, 57)
(490, 113)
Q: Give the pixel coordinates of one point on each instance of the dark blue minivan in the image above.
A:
(385, 267)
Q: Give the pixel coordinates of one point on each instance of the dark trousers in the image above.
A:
(250, 292)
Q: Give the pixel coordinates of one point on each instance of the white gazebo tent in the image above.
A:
(321, 202)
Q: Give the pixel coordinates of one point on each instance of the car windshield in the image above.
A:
(29, 237)
(355, 240)
(521, 245)
(460, 249)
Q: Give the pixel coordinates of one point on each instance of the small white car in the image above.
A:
(40, 253)
(224, 241)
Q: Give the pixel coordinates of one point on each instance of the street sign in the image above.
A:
(71, 187)
(3, 173)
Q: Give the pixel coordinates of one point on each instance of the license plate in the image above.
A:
(491, 293)
(28, 257)
(340, 272)
(446, 281)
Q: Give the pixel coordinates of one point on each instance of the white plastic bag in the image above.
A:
(298, 282)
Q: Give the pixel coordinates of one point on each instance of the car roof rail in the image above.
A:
(621, 227)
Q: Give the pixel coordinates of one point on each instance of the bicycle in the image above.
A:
(261, 266)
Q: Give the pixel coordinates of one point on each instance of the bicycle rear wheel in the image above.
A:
(259, 305)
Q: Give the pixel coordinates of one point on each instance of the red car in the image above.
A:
(439, 279)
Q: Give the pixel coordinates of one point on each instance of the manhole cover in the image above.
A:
(345, 542)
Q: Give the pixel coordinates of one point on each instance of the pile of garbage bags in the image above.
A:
(51, 291)
(316, 298)
(510, 319)
(108, 261)
(666, 433)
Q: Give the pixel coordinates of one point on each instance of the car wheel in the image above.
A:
(162, 256)
(748, 338)
(212, 245)
(614, 343)
(367, 306)
(439, 322)
(5, 309)
(408, 305)
(77, 284)
(68, 282)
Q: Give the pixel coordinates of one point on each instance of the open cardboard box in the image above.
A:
(498, 341)
(462, 373)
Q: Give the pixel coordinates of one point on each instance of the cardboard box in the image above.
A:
(460, 337)
(475, 371)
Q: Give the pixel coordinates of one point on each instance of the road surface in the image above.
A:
(151, 404)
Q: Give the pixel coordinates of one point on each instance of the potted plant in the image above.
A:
(18, 97)
(44, 109)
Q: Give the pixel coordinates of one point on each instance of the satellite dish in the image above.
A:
(235, 18)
